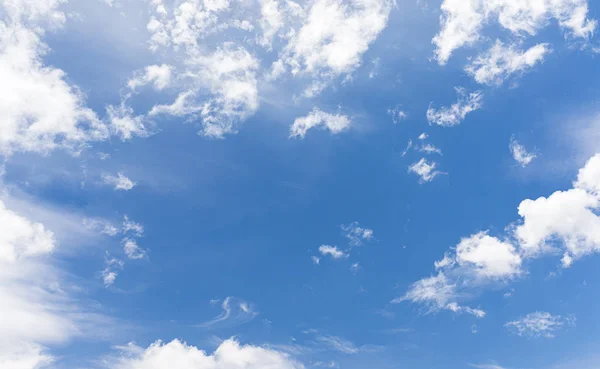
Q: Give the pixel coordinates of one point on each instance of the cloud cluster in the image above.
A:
(565, 222)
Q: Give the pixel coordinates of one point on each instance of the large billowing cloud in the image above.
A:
(229, 355)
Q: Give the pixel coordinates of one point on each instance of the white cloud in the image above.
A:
(316, 260)
(272, 20)
(333, 38)
(338, 343)
(520, 154)
(423, 136)
(235, 311)
(123, 122)
(229, 355)
(33, 294)
(111, 270)
(119, 182)
(224, 90)
(463, 20)
(538, 324)
(39, 110)
(437, 293)
(430, 149)
(456, 113)
(335, 123)
(488, 257)
(102, 225)
(356, 234)
(497, 64)
(566, 221)
(397, 114)
(425, 169)
(158, 75)
(132, 250)
(332, 251)
(131, 226)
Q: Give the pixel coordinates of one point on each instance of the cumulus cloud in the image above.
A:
(565, 221)
(332, 251)
(111, 270)
(40, 111)
(132, 250)
(230, 354)
(425, 169)
(462, 21)
(124, 123)
(333, 37)
(500, 62)
(457, 112)
(335, 123)
(520, 153)
(539, 324)
(119, 182)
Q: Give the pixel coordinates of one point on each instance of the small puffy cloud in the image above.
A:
(423, 136)
(356, 234)
(132, 250)
(520, 153)
(333, 251)
(588, 177)
(463, 20)
(119, 182)
(158, 75)
(111, 270)
(457, 112)
(425, 169)
(230, 354)
(500, 62)
(488, 257)
(539, 324)
(335, 123)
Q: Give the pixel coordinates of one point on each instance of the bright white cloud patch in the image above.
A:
(457, 112)
(124, 123)
(500, 62)
(333, 37)
(132, 250)
(158, 75)
(539, 324)
(229, 355)
(488, 257)
(520, 153)
(39, 110)
(119, 182)
(425, 169)
(462, 21)
(333, 251)
(334, 123)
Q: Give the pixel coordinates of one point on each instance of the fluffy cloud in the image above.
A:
(425, 169)
(124, 123)
(333, 38)
(539, 324)
(565, 221)
(520, 153)
(500, 62)
(229, 355)
(463, 20)
(119, 182)
(335, 123)
(158, 75)
(132, 250)
(39, 110)
(456, 113)
(332, 251)
(223, 90)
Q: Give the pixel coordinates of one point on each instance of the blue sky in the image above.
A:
(282, 185)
